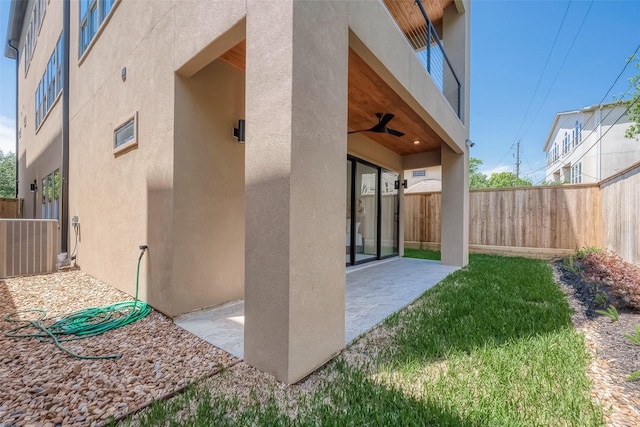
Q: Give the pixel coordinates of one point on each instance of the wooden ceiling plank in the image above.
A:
(369, 94)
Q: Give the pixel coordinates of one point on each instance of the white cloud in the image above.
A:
(7, 135)
(497, 169)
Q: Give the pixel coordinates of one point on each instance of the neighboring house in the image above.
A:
(425, 180)
(589, 145)
(126, 112)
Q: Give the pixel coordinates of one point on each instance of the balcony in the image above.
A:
(421, 25)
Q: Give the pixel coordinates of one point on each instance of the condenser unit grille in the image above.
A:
(28, 246)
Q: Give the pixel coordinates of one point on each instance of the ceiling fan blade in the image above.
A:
(386, 119)
(395, 132)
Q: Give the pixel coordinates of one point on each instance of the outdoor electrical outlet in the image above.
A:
(74, 220)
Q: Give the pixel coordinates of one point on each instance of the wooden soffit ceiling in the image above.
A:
(409, 18)
(370, 94)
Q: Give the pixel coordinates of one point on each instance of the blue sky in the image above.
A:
(510, 43)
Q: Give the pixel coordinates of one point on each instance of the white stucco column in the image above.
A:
(456, 25)
(295, 154)
(455, 207)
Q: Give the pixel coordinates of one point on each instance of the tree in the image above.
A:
(634, 109)
(7, 174)
(497, 180)
(476, 178)
(507, 179)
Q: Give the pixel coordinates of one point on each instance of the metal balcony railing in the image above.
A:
(428, 48)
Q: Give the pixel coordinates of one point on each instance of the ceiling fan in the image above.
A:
(381, 127)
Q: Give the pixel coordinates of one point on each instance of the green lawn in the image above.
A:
(491, 345)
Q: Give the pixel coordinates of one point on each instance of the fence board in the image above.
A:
(620, 206)
(11, 208)
(551, 217)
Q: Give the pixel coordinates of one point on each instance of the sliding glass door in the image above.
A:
(372, 212)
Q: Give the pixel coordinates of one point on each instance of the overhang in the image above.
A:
(14, 27)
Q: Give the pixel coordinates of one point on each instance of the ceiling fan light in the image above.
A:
(416, 142)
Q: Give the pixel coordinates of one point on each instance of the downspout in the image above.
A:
(15, 49)
(64, 193)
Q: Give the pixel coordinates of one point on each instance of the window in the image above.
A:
(50, 84)
(125, 136)
(576, 173)
(578, 134)
(35, 23)
(92, 15)
(552, 155)
(419, 173)
(565, 144)
(51, 195)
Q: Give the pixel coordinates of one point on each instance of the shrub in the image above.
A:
(583, 252)
(623, 278)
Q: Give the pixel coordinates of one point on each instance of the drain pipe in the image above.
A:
(15, 49)
(64, 230)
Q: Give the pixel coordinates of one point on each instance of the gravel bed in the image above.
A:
(41, 385)
(613, 356)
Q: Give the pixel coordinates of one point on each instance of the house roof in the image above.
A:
(425, 186)
(566, 113)
(14, 29)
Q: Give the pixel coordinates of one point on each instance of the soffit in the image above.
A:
(409, 18)
(370, 94)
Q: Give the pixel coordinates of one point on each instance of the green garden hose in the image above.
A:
(84, 323)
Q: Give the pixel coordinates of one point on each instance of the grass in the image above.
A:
(492, 344)
(422, 254)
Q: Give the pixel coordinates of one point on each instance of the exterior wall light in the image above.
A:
(470, 143)
(239, 131)
(397, 184)
(33, 186)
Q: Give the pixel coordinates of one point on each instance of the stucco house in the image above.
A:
(217, 133)
(424, 180)
(588, 145)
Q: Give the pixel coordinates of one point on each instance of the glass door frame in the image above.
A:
(352, 256)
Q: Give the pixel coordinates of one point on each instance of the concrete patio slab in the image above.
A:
(374, 291)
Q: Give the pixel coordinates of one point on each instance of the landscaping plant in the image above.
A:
(635, 338)
(611, 312)
(622, 277)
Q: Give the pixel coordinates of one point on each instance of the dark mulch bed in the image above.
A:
(622, 355)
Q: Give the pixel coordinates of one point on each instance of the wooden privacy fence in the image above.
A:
(539, 221)
(542, 221)
(11, 208)
(620, 200)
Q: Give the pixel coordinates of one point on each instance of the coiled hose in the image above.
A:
(84, 323)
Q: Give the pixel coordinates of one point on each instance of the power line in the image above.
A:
(629, 88)
(621, 72)
(535, 91)
(624, 113)
(559, 69)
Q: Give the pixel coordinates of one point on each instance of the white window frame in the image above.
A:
(50, 85)
(132, 143)
(576, 173)
(90, 24)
